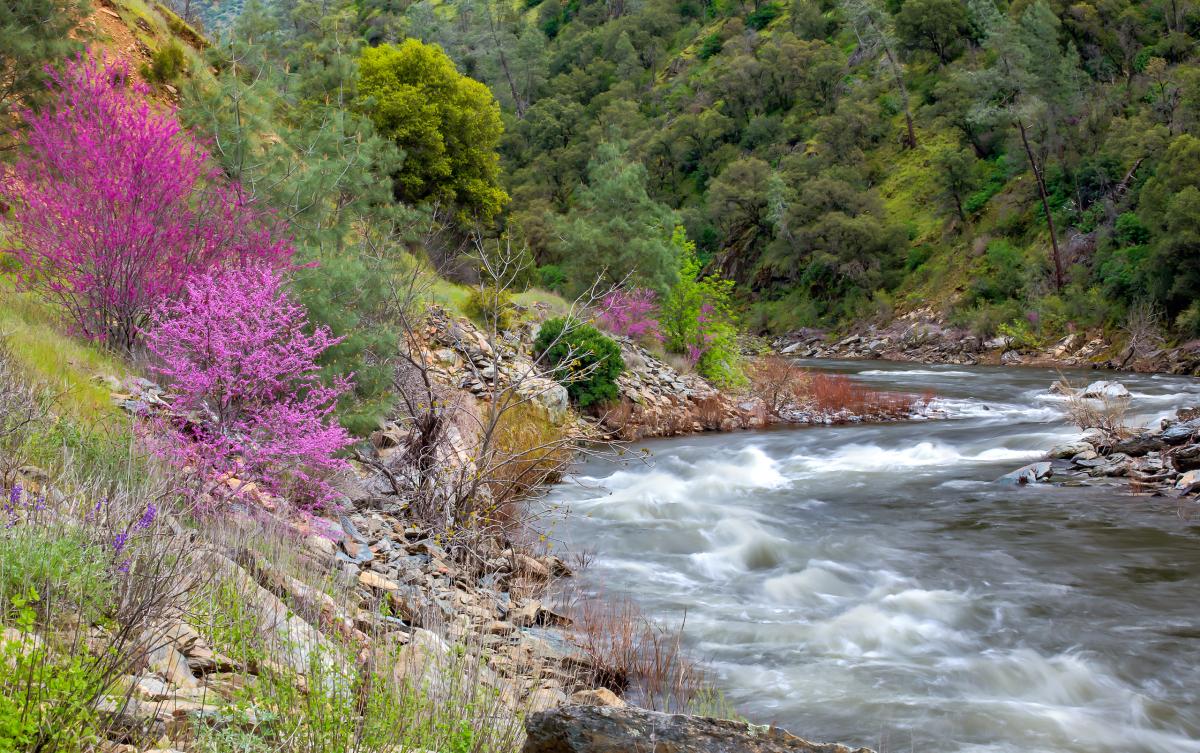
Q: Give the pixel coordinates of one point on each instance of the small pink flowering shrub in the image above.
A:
(114, 206)
(240, 358)
(632, 313)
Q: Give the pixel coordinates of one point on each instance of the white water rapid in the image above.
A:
(871, 585)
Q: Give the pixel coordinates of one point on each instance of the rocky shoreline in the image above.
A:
(920, 337)
(420, 599)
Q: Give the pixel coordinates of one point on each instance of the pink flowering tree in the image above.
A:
(114, 206)
(249, 404)
(632, 313)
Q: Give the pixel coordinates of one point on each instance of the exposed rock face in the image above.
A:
(657, 401)
(923, 337)
(606, 729)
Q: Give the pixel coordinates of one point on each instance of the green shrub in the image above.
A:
(35, 560)
(760, 18)
(46, 695)
(586, 361)
(710, 46)
(491, 307)
(165, 64)
(552, 277)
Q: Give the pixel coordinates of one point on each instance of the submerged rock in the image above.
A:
(604, 729)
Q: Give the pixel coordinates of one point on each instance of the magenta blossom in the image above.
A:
(241, 359)
(115, 206)
(632, 313)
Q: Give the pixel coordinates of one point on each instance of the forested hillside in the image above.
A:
(1031, 165)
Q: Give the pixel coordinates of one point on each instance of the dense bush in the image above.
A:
(165, 64)
(584, 360)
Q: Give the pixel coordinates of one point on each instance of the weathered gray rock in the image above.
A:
(606, 729)
(1105, 390)
(1139, 445)
(1071, 449)
(1028, 474)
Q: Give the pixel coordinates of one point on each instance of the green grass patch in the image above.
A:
(66, 365)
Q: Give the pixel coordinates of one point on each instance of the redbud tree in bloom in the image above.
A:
(632, 313)
(115, 206)
(241, 360)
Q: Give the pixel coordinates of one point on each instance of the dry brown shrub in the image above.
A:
(838, 394)
(778, 381)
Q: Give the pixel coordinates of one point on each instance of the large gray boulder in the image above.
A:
(601, 729)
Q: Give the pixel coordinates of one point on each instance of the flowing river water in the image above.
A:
(870, 584)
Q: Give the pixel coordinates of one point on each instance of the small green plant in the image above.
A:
(1020, 333)
(586, 361)
(492, 307)
(711, 45)
(165, 64)
(46, 695)
(35, 559)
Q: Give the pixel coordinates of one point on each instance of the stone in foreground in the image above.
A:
(598, 729)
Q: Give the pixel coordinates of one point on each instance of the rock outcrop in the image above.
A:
(923, 337)
(600, 729)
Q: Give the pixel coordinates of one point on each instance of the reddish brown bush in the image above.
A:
(838, 394)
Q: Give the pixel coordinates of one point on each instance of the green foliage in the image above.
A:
(763, 15)
(492, 307)
(711, 45)
(46, 695)
(615, 230)
(698, 320)
(586, 361)
(35, 560)
(552, 277)
(165, 64)
(33, 34)
(1002, 273)
(447, 125)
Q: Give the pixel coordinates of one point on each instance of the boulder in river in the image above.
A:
(1106, 390)
(1071, 449)
(1028, 474)
(603, 729)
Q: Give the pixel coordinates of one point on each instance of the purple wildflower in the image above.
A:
(119, 541)
(147, 518)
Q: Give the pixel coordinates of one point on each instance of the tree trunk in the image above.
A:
(910, 139)
(1037, 174)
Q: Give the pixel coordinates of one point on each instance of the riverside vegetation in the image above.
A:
(300, 311)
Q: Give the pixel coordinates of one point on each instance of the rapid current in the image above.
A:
(871, 584)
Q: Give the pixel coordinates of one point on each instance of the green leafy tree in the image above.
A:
(447, 125)
(1170, 206)
(1031, 86)
(938, 26)
(615, 229)
(698, 319)
(957, 174)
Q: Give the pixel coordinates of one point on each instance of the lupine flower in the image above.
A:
(147, 518)
(119, 541)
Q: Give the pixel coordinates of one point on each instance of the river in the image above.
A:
(870, 584)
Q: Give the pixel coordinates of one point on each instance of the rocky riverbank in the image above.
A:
(419, 596)
(1162, 459)
(920, 337)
